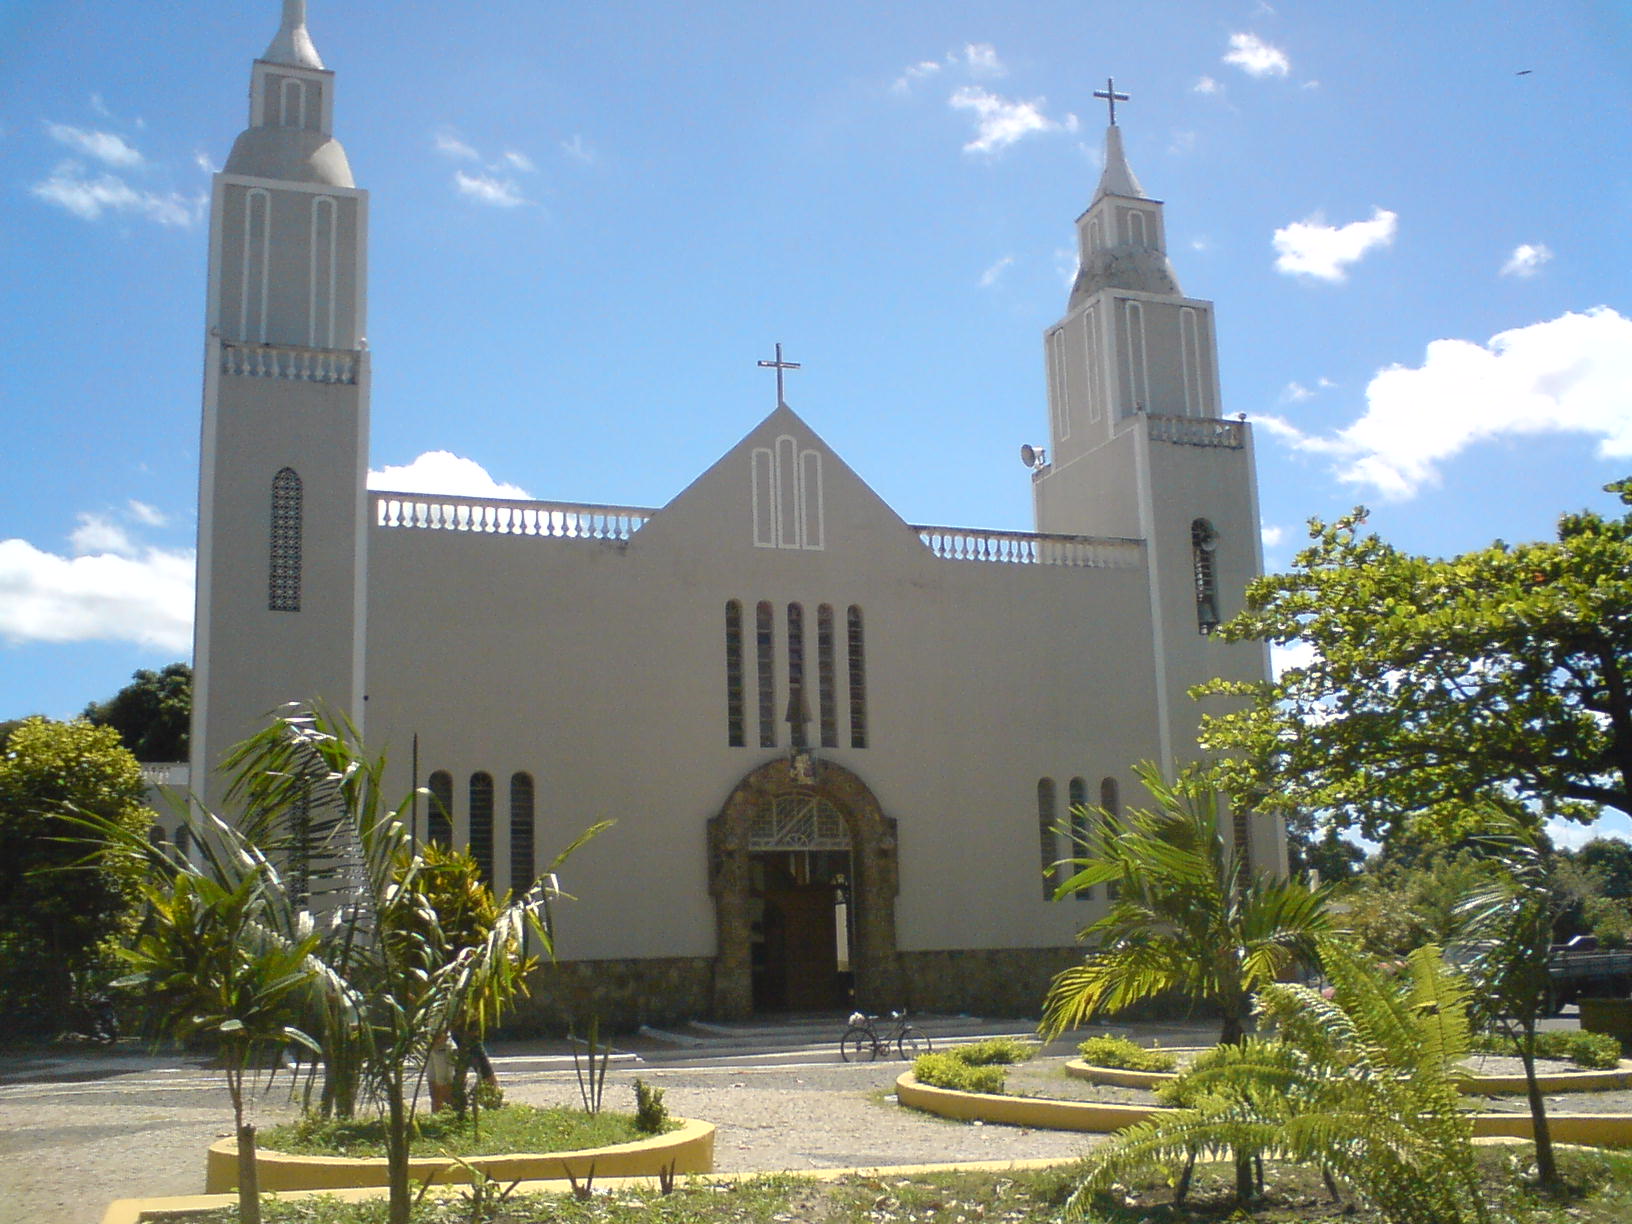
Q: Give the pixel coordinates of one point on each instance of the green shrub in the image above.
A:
(1125, 1055)
(950, 1071)
(1592, 1051)
(651, 1115)
(994, 1051)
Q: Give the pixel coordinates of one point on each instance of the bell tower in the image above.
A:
(284, 453)
(1139, 446)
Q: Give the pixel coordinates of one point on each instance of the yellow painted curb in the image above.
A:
(135, 1211)
(1473, 1085)
(1589, 1130)
(690, 1149)
(1017, 1110)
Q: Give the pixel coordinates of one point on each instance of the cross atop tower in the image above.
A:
(1111, 96)
(779, 365)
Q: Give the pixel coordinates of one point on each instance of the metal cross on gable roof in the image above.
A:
(1111, 96)
(779, 366)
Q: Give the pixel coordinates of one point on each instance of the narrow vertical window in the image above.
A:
(1110, 802)
(1190, 359)
(320, 306)
(1056, 384)
(858, 678)
(439, 821)
(257, 250)
(733, 674)
(1138, 372)
(764, 642)
(826, 672)
(1078, 792)
(184, 841)
(1136, 228)
(283, 569)
(1048, 838)
(787, 492)
(1241, 836)
(1204, 555)
(481, 824)
(521, 832)
(292, 103)
(798, 707)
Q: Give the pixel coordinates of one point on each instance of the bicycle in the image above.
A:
(862, 1038)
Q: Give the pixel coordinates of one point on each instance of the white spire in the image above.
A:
(1118, 177)
(293, 44)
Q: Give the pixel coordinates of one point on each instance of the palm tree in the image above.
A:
(1362, 1083)
(1187, 914)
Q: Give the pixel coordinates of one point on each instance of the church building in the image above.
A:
(842, 750)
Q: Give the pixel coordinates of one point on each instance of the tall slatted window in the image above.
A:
(283, 568)
(1243, 842)
(184, 842)
(765, 663)
(826, 672)
(1204, 557)
(481, 824)
(521, 831)
(439, 821)
(858, 678)
(1110, 801)
(734, 735)
(1048, 838)
(798, 707)
(1077, 791)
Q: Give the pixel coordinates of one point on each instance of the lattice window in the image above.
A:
(521, 831)
(734, 735)
(439, 822)
(798, 710)
(798, 822)
(481, 824)
(826, 677)
(283, 573)
(1048, 836)
(764, 645)
(858, 678)
(1204, 553)
(1242, 834)
(1078, 793)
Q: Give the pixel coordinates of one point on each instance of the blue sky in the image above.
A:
(590, 221)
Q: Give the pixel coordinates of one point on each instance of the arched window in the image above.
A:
(1078, 792)
(1110, 800)
(156, 836)
(521, 832)
(481, 824)
(1136, 228)
(292, 103)
(1048, 837)
(283, 573)
(858, 678)
(733, 674)
(764, 644)
(798, 707)
(826, 671)
(439, 822)
(1203, 553)
(1138, 370)
(184, 841)
(325, 272)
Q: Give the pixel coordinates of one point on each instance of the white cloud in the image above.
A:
(914, 73)
(104, 146)
(148, 516)
(1272, 536)
(1567, 835)
(518, 161)
(1293, 654)
(489, 189)
(71, 188)
(97, 533)
(1065, 263)
(978, 60)
(449, 145)
(1182, 142)
(1255, 57)
(575, 148)
(205, 163)
(1526, 259)
(1000, 121)
(1313, 248)
(1295, 393)
(1206, 85)
(1569, 375)
(981, 60)
(990, 277)
(443, 472)
(145, 598)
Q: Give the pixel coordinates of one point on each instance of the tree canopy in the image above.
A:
(1428, 685)
(151, 713)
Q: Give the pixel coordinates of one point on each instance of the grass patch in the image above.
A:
(511, 1128)
(1598, 1190)
(1125, 1055)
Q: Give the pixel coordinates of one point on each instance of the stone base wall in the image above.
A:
(622, 994)
(982, 981)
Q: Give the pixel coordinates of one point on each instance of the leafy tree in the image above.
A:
(151, 713)
(1432, 684)
(1396, 906)
(58, 909)
(1362, 1083)
(1187, 915)
(1613, 858)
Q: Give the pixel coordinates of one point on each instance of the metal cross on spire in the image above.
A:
(779, 365)
(1111, 96)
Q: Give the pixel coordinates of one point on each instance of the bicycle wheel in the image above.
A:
(857, 1045)
(911, 1043)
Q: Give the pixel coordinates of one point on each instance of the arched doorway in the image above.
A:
(803, 870)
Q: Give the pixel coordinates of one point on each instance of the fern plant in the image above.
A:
(1361, 1084)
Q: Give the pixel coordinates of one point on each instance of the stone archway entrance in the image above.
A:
(799, 848)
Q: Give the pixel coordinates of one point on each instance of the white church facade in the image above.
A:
(839, 748)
